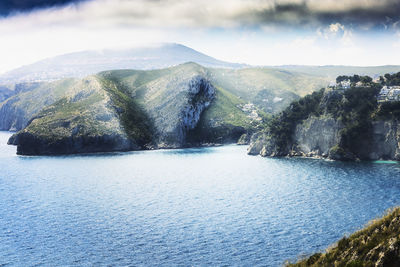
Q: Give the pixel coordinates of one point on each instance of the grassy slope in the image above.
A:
(223, 121)
(57, 120)
(270, 89)
(225, 110)
(379, 241)
(136, 123)
(248, 82)
(77, 110)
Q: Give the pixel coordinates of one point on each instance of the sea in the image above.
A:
(214, 206)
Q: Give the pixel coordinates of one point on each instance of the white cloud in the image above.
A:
(336, 27)
(337, 32)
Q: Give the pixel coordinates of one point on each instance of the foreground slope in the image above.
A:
(378, 244)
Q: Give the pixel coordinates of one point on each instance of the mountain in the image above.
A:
(81, 64)
(165, 108)
(336, 123)
(378, 244)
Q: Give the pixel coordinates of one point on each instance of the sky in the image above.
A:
(256, 32)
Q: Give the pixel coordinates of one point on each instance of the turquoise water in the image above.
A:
(207, 206)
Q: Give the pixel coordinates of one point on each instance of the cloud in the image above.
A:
(336, 32)
(359, 14)
(8, 7)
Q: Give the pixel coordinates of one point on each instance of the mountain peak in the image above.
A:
(80, 64)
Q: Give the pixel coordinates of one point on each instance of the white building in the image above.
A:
(389, 93)
(343, 84)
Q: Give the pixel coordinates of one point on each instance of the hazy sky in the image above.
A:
(259, 32)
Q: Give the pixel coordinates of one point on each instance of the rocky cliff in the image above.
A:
(337, 124)
(316, 136)
(177, 109)
(385, 140)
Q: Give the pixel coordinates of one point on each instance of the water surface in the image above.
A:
(206, 206)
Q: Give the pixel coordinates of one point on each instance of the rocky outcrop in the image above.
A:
(244, 139)
(257, 142)
(32, 144)
(321, 136)
(262, 144)
(316, 136)
(385, 140)
(178, 108)
(336, 124)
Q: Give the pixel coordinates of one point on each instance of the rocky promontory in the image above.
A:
(334, 123)
(102, 114)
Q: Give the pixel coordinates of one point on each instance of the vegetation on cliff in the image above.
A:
(281, 127)
(378, 244)
(138, 126)
(355, 109)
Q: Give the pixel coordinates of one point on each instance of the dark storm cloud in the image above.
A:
(358, 14)
(8, 7)
(296, 14)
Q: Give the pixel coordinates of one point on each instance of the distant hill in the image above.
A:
(81, 64)
(332, 71)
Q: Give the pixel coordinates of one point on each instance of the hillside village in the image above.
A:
(388, 93)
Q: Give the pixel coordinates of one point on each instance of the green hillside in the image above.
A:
(378, 244)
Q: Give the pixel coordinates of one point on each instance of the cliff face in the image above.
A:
(13, 118)
(316, 136)
(319, 136)
(177, 109)
(386, 140)
(340, 125)
(313, 137)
